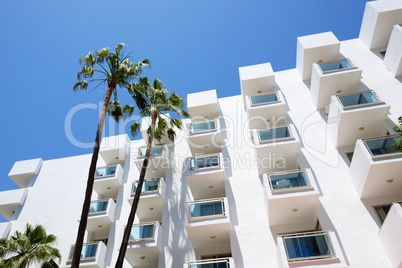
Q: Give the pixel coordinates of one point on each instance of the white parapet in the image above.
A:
(378, 20)
(22, 171)
(356, 116)
(115, 148)
(334, 77)
(255, 79)
(204, 136)
(10, 201)
(393, 58)
(391, 234)
(314, 48)
(203, 105)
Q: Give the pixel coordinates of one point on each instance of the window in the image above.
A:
(206, 208)
(88, 251)
(288, 180)
(139, 232)
(106, 171)
(382, 211)
(382, 146)
(155, 150)
(263, 99)
(274, 133)
(202, 127)
(204, 162)
(147, 186)
(98, 207)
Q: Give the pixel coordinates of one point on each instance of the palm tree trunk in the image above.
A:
(127, 231)
(90, 183)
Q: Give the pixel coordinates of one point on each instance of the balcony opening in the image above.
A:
(308, 246)
(204, 162)
(292, 180)
(383, 210)
(105, 172)
(274, 133)
(211, 263)
(98, 207)
(148, 186)
(142, 232)
(358, 99)
(202, 127)
(334, 66)
(382, 146)
(263, 99)
(88, 252)
(155, 150)
(204, 208)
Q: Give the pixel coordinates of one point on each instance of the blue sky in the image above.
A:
(192, 45)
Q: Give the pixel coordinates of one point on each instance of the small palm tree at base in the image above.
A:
(153, 101)
(114, 70)
(31, 247)
(398, 128)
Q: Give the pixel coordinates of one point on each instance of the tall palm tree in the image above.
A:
(153, 101)
(28, 248)
(115, 70)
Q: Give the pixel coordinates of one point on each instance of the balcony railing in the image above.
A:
(88, 252)
(149, 186)
(98, 207)
(289, 181)
(142, 232)
(209, 208)
(105, 172)
(204, 162)
(358, 99)
(155, 150)
(203, 127)
(211, 263)
(308, 246)
(275, 133)
(336, 65)
(382, 146)
(262, 99)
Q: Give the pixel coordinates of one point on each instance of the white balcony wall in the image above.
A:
(375, 176)
(208, 263)
(391, 234)
(157, 164)
(314, 48)
(114, 149)
(108, 186)
(255, 79)
(378, 20)
(5, 228)
(346, 126)
(265, 115)
(324, 85)
(101, 222)
(10, 200)
(97, 262)
(393, 58)
(206, 142)
(203, 105)
(22, 171)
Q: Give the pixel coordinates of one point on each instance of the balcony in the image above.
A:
(211, 263)
(204, 136)
(376, 168)
(145, 244)
(208, 223)
(158, 160)
(391, 234)
(334, 77)
(114, 149)
(292, 199)
(355, 116)
(277, 148)
(101, 215)
(22, 171)
(10, 201)
(256, 79)
(203, 105)
(92, 255)
(378, 20)
(206, 176)
(310, 248)
(393, 58)
(265, 108)
(108, 180)
(153, 198)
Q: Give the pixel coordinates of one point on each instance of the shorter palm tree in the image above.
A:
(153, 101)
(33, 247)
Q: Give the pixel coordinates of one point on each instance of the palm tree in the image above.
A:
(28, 248)
(113, 69)
(154, 102)
(398, 128)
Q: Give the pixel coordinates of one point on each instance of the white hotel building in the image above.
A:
(297, 171)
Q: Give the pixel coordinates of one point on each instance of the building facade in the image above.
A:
(296, 171)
